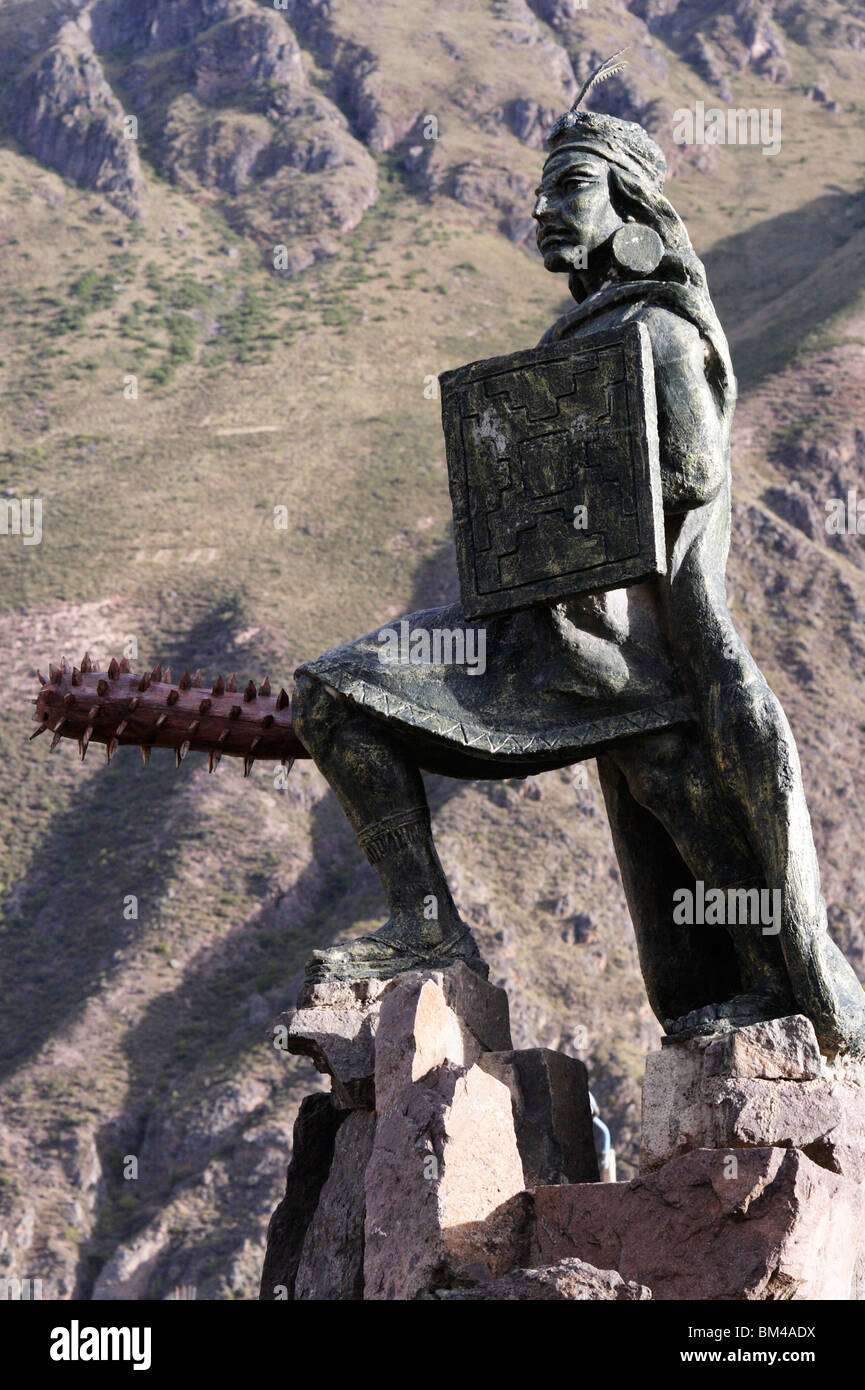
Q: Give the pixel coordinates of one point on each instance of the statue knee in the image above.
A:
(651, 788)
(754, 727)
(655, 771)
(313, 711)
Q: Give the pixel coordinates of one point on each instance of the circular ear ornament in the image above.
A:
(637, 249)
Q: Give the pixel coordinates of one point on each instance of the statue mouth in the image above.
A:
(553, 240)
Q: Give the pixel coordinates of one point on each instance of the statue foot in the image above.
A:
(386, 953)
(753, 1006)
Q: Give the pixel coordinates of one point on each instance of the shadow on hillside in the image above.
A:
(195, 1034)
(110, 843)
(788, 261)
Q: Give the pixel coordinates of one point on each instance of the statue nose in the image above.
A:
(541, 206)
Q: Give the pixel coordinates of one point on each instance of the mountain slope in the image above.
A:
(297, 380)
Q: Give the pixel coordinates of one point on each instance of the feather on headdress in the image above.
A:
(623, 143)
(601, 73)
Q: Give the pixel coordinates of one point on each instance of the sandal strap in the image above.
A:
(410, 949)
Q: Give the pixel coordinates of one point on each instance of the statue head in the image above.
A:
(577, 203)
(601, 173)
(602, 215)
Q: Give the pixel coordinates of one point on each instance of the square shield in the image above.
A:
(554, 471)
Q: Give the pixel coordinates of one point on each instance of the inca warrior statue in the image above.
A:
(590, 478)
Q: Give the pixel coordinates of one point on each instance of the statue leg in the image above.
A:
(755, 763)
(670, 775)
(754, 752)
(381, 791)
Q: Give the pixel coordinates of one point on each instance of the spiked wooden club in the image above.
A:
(117, 707)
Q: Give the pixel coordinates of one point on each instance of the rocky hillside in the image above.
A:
(235, 241)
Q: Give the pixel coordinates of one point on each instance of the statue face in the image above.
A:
(573, 207)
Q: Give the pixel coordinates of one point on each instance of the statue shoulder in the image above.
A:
(575, 323)
(559, 330)
(674, 338)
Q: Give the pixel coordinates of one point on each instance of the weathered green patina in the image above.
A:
(697, 761)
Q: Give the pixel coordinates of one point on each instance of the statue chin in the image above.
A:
(561, 258)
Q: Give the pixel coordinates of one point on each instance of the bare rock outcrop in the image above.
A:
(243, 124)
(249, 125)
(63, 111)
(721, 43)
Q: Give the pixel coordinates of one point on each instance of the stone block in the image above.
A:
(444, 1186)
(334, 1025)
(432, 1017)
(428, 1017)
(331, 1261)
(753, 1224)
(782, 1049)
(552, 1114)
(761, 1086)
(315, 1132)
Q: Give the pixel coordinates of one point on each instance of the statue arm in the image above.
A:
(691, 429)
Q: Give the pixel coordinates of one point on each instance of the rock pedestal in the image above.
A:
(744, 1224)
(447, 1165)
(762, 1085)
(424, 1150)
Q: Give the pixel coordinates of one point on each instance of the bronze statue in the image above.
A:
(615, 644)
